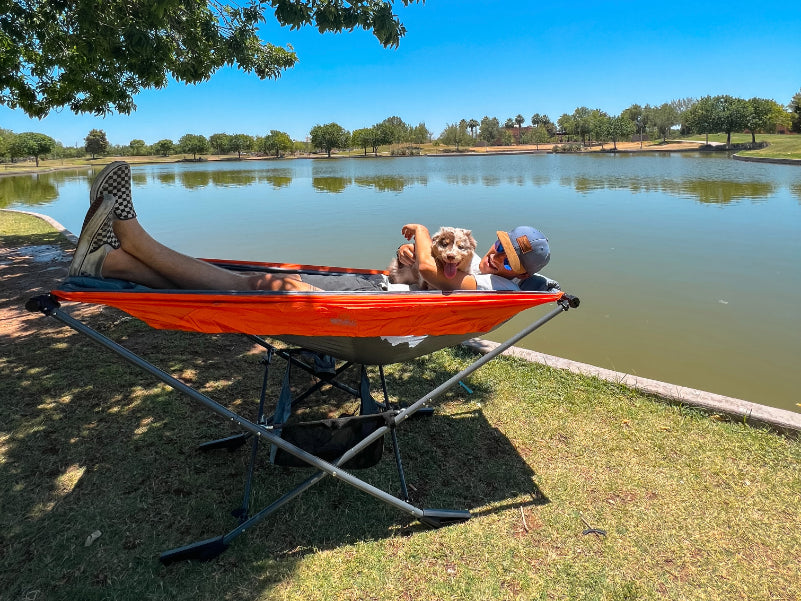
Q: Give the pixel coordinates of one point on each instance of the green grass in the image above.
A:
(780, 146)
(694, 507)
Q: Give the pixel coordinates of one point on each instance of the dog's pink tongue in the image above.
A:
(450, 269)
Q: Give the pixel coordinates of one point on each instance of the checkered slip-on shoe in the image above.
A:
(97, 239)
(115, 179)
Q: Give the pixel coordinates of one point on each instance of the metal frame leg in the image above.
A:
(210, 548)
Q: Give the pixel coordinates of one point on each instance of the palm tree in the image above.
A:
(472, 125)
(519, 120)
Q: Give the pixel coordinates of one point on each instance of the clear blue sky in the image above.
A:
(470, 58)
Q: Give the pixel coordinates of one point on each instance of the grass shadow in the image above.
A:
(91, 443)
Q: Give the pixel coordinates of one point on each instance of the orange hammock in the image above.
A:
(371, 328)
(326, 321)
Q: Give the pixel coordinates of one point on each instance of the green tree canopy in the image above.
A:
(164, 147)
(620, 128)
(240, 143)
(96, 142)
(420, 134)
(94, 58)
(662, 117)
(6, 137)
(701, 118)
(455, 134)
(795, 111)
(732, 114)
(194, 143)
(137, 146)
(371, 137)
(277, 142)
(329, 136)
(537, 135)
(31, 144)
(220, 142)
(489, 129)
(394, 130)
(764, 115)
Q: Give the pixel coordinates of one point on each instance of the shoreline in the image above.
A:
(671, 146)
(781, 420)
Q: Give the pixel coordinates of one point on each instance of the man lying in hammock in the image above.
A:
(113, 244)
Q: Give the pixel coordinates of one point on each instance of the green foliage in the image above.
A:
(569, 147)
(537, 135)
(662, 117)
(96, 142)
(6, 137)
(732, 114)
(795, 112)
(31, 144)
(240, 143)
(138, 147)
(329, 136)
(276, 142)
(506, 138)
(194, 144)
(765, 115)
(489, 130)
(419, 134)
(220, 142)
(94, 58)
(620, 128)
(393, 130)
(455, 135)
(164, 147)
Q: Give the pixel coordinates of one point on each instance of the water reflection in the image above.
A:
(36, 189)
(194, 179)
(705, 191)
(334, 185)
(795, 190)
(389, 183)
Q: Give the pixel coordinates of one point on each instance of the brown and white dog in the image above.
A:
(452, 249)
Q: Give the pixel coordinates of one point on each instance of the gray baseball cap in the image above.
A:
(530, 246)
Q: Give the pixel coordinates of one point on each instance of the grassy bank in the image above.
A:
(693, 507)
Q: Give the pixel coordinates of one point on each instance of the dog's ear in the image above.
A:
(469, 234)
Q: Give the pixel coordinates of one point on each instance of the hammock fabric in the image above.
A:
(369, 328)
(352, 314)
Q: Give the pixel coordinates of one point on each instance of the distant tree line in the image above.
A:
(582, 127)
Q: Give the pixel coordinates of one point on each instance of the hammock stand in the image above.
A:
(428, 321)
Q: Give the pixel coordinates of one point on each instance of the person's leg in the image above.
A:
(132, 254)
(141, 254)
(122, 266)
(184, 271)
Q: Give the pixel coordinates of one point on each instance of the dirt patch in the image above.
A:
(28, 270)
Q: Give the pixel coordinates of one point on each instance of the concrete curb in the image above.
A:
(787, 422)
(767, 160)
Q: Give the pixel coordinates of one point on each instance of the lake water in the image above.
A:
(688, 266)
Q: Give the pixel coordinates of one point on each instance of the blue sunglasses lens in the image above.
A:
(499, 249)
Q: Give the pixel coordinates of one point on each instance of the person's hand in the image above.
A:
(411, 230)
(406, 254)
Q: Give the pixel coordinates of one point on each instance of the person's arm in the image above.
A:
(429, 270)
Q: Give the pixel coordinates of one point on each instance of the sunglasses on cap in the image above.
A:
(499, 249)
